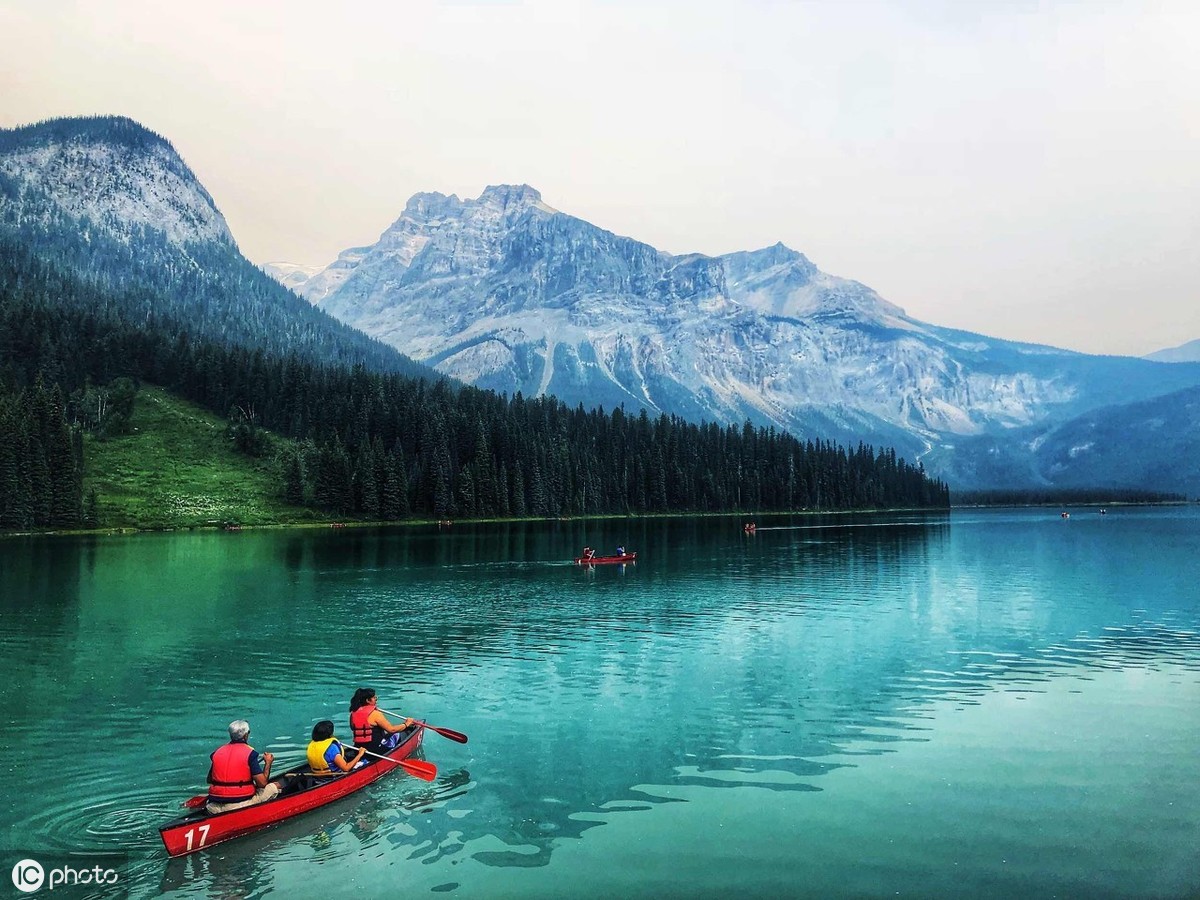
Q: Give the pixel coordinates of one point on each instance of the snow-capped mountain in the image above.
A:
(505, 292)
(289, 274)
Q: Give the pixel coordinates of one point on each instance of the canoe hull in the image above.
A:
(199, 830)
(605, 560)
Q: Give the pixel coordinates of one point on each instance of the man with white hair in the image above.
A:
(239, 775)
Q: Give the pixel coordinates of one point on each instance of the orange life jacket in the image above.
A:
(231, 778)
(364, 732)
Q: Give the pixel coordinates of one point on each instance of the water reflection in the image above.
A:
(719, 661)
(39, 608)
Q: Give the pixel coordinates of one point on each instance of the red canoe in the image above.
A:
(199, 830)
(601, 560)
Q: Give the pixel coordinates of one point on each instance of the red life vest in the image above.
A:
(364, 732)
(230, 777)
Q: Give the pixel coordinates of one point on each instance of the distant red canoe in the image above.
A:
(602, 560)
(199, 830)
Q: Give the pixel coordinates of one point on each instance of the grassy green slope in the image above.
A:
(178, 469)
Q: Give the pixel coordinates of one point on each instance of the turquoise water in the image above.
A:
(991, 703)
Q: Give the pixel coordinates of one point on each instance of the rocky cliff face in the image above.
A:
(112, 175)
(505, 292)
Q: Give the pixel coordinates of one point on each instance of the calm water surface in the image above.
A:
(997, 703)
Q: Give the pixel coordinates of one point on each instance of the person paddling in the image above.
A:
(326, 753)
(239, 775)
(371, 728)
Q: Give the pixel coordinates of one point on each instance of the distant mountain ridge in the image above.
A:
(1189, 352)
(289, 274)
(505, 292)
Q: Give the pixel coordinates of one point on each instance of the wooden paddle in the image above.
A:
(444, 732)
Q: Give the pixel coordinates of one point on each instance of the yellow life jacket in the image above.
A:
(316, 755)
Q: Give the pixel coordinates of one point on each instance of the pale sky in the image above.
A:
(1026, 170)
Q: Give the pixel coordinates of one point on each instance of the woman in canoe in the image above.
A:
(371, 728)
(326, 755)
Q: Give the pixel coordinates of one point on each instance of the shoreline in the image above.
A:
(444, 523)
(449, 523)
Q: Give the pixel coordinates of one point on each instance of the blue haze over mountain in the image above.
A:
(507, 293)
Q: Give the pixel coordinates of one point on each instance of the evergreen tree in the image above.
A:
(333, 482)
(442, 497)
(293, 478)
(91, 515)
(366, 489)
(15, 507)
(392, 497)
(504, 505)
(518, 505)
(537, 490)
(466, 493)
(41, 493)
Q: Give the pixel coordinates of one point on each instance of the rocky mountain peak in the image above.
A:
(109, 173)
(512, 198)
(430, 205)
(775, 261)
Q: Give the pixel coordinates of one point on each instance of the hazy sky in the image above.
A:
(1026, 170)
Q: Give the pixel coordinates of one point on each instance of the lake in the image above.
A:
(990, 703)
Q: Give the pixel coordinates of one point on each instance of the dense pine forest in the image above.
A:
(380, 445)
(41, 460)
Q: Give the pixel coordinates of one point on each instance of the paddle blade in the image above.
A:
(444, 732)
(449, 733)
(419, 768)
(194, 802)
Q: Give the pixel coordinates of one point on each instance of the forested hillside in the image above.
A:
(385, 446)
(114, 204)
